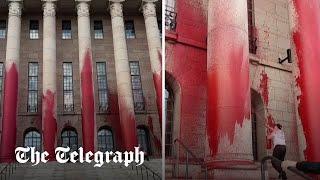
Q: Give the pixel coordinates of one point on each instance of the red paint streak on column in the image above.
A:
(155, 138)
(157, 80)
(8, 138)
(87, 102)
(307, 42)
(128, 125)
(228, 72)
(49, 123)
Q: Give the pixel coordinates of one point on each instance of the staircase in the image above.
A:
(69, 171)
(191, 167)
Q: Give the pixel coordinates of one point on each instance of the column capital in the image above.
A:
(15, 7)
(49, 8)
(149, 8)
(116, 8)
(83, 7)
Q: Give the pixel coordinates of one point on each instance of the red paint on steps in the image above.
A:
(9, 118)
(307, 43)
(87, 103)
(49, 124)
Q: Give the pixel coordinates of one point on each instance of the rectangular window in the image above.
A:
(67, 87)
(98, 29)
(136, 86)
(66, 29)
(129, 28)
(102, 86)
(34, 29)
(3, 29)
(33, 87)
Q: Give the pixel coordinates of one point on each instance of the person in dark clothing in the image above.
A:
(279, 151)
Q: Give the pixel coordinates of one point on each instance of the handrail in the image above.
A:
(188, 151)
(145, 169)
(7, 170)
(292, 169)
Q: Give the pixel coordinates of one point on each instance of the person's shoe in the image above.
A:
(284, 176)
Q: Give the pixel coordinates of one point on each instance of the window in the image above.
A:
(32, 138)
(66, 29)
(33, 87)
(143, 139)
(69, 138)
(136, 86)
(129, 28)
(67, 87)
(102, 86)
(251, 28)
(34, 29)
(3, 29)
(98, 29)
(105, 140)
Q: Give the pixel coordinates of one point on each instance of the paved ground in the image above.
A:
(70, 171)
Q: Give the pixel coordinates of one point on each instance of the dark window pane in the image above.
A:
(66, 29)
(3, 29)
(129, 29)
(136, 86)
(67, 87)
(33, 87)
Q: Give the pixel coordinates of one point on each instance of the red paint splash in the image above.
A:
(87, 102)
(271, 123)
(157, 80)
(49, 124)
(307, 43)
(127, 124)
(264, 90)
(8, 138)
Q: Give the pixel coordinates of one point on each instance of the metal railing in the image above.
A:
(7, 170)
(145, 172)
(292, 169)
(187, 163)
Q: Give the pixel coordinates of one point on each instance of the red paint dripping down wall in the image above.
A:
(87, 102)
(8, 138)
(264, 90)
(228, 101)
(306, 38)
(187, 66)
(49, 124)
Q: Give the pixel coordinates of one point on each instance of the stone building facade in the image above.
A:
(224, 82)
(79, 73)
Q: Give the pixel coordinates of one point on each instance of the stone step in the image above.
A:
(77, 171)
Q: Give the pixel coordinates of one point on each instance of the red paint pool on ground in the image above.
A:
(8, 138)
(307, 42)
(49, 124)
(87, 102)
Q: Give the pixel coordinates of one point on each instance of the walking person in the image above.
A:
(279, 151)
